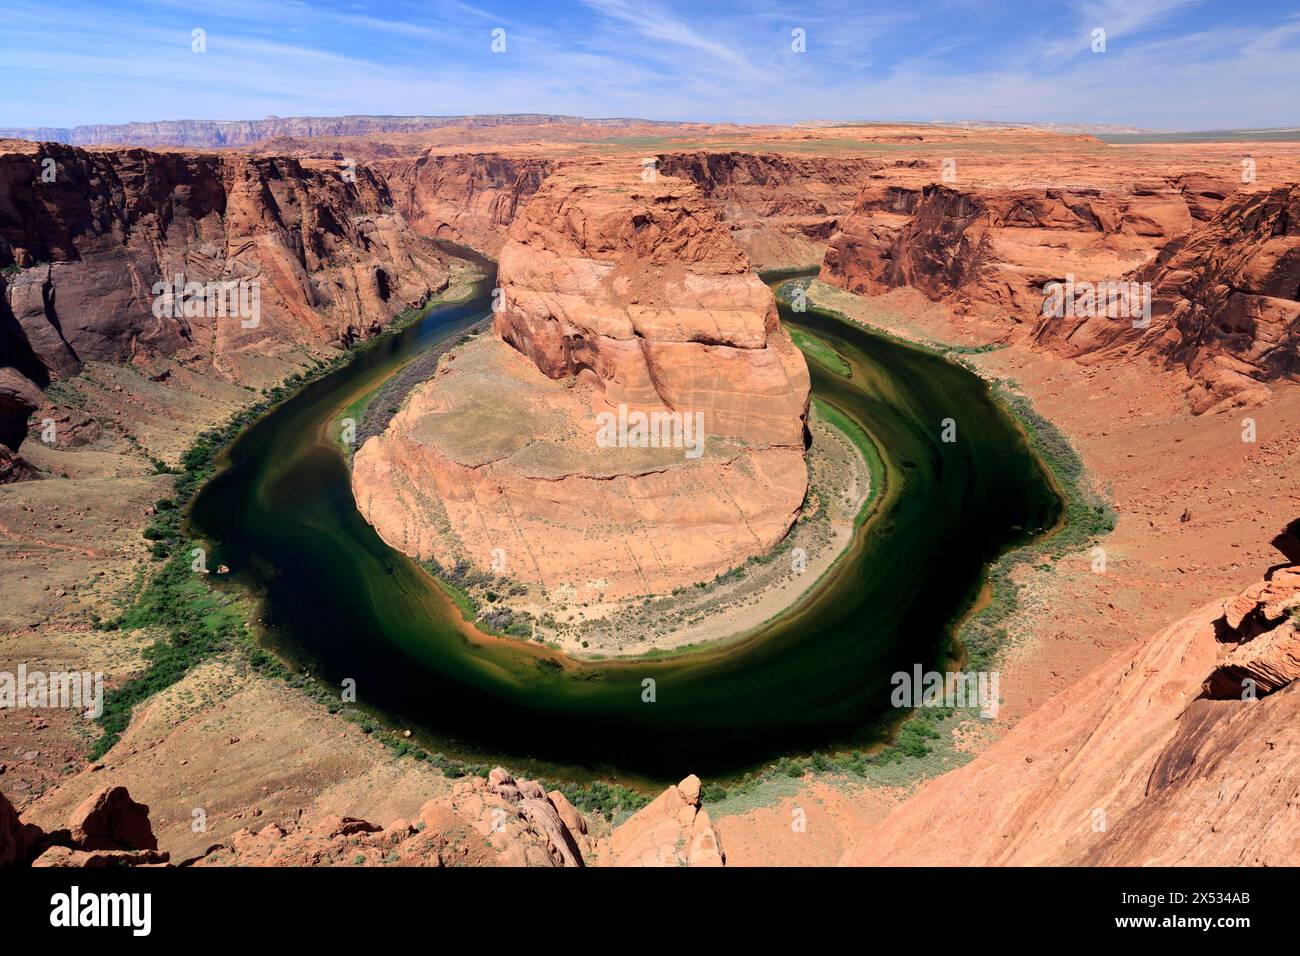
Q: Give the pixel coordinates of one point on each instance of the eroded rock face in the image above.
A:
(639, 287)
(500, 821)
(1157, 758)
(621, 297)
(82, 254)
(673, 830)
(1223, 269)
(111, 820)
(998, 250)
(1225, 301)
(109, 829)
(781, 209)
(469, 198)
(19, 397)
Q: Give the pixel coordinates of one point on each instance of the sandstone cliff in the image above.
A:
(1182, 751)
(998, 249)
(781, 208)
(469, 198)
(619, 297)
(86, 237)
(1225, 302)
(1223, 273)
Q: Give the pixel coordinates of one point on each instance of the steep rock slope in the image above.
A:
(469, 198)
(781, 208)
(87, 237)
(619, 298)
(996, 250)
(1165, 755)
(1225, 301)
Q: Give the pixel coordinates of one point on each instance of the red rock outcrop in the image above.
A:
(499, 821)
(111, 820)
(999, 249)
(1225, 302)
(19, 397)
(108, 829)
(81, 256)
(1136, 764)
(781, 208)
(469, 198)
(638, 287)
(673, 830)
(620, 298)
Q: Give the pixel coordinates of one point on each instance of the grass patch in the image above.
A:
(821, 353)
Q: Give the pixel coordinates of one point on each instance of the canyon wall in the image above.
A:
(619, 297)
(1184, 750)
(1225, 302)
(996, 250)
(781, 208)
(469, 198)
(85, 237)
(1223, 268)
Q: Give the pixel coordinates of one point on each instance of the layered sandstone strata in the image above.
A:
(1210, 277)
(87, 237)
(621, 298)
(469, 198)
(1182, 751)
(1225, 302)
(996, 250)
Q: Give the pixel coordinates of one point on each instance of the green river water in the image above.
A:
(343, 604)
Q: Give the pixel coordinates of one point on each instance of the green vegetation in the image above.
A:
(865, 446)
(198, 622)
(821, 353)
(609, 800)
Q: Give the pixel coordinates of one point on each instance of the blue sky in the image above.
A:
(1174, 64)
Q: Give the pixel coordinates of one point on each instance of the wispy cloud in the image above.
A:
(1169, 63)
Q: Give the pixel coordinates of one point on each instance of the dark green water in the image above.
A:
(341, 602)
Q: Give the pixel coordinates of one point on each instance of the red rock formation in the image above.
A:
(1134, 765)
(673, 830)
(781, 208)
(619, 297)
(81, 256)
(19, 397)
(1225, 302)
(469, 198)
(639, 287)
(108, 829)
(111, 820)
(999, 249)
(500, 821)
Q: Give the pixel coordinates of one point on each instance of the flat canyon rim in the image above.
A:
(343, 605)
